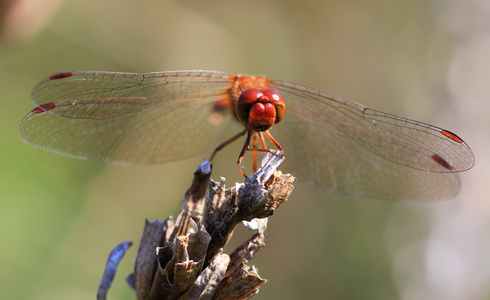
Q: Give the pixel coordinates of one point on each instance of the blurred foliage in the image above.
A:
(60, 217)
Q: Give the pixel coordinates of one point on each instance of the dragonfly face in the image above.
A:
(260, 109)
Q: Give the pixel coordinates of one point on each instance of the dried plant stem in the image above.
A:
(185, 260)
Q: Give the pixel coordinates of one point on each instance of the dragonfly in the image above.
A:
(329, 142)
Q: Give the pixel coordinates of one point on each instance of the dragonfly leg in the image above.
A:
(262, 141)
(255, 136)
(242, 153)
(254, 155)
(273, 140)
(227, 142)
(255, 150)
(263, 148)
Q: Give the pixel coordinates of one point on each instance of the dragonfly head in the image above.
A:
(260, 109)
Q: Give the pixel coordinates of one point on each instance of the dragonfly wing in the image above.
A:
(129, 118)
(344, 147)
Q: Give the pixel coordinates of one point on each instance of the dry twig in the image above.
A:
(185, 260)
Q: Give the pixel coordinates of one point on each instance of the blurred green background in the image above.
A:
(425, 60)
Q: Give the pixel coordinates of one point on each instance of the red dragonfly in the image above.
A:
(329, 142)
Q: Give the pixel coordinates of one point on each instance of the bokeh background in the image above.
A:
(425, 60)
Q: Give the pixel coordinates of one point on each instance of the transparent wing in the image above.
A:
(128, 117)
(344, 147)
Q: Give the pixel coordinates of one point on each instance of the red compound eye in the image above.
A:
(278, 103)
(245, 102)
